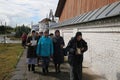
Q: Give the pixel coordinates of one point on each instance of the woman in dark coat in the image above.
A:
(31, 52)
(76, 47)
(58, 56)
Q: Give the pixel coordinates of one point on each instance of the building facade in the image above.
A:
(70, 8)
(35, 27)
(101, 30)
(44, 24)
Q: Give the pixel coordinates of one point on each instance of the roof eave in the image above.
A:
(60, 7)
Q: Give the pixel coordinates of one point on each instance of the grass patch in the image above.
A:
(9, 56)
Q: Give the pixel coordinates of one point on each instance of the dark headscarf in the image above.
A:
(56, 32)
(33, 31)
(78, 34)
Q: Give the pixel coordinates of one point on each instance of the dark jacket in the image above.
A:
(71, 48)
(31, 52)
(58, 55)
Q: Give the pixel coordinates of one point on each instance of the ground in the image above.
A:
(22, 73)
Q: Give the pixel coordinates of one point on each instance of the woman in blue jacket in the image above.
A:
(45, 50)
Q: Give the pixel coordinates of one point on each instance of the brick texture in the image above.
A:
(103, 55)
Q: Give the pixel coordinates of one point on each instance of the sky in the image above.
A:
(25, 11)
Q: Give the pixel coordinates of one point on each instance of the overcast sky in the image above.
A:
(25, 11)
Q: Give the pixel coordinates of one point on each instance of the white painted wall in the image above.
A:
(103, 55)
(42, 27)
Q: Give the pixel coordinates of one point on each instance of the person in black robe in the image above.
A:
(76, 48)
(58, 56)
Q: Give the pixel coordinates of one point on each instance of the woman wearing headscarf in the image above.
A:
(31, 52)
(76, 48)
(58, 56)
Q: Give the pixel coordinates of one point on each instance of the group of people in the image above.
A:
(45, 46)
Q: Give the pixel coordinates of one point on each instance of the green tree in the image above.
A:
(9, 29)
(2, 29)
(6, 29)
(19, 30)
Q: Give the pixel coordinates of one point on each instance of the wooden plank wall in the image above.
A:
(73, 8)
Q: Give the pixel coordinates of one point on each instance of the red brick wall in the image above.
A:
(73, 8)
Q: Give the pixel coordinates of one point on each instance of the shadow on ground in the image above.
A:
(91, 77)
(65, 75)
(60, 76)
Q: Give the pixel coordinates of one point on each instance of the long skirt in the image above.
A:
(31, 60)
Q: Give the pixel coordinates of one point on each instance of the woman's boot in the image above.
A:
(33, 67)
(29, 67)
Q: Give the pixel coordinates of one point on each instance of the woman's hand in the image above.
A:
(62, 46)
(82, 49)
(29, 44)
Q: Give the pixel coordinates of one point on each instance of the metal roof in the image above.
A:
(104, 12)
